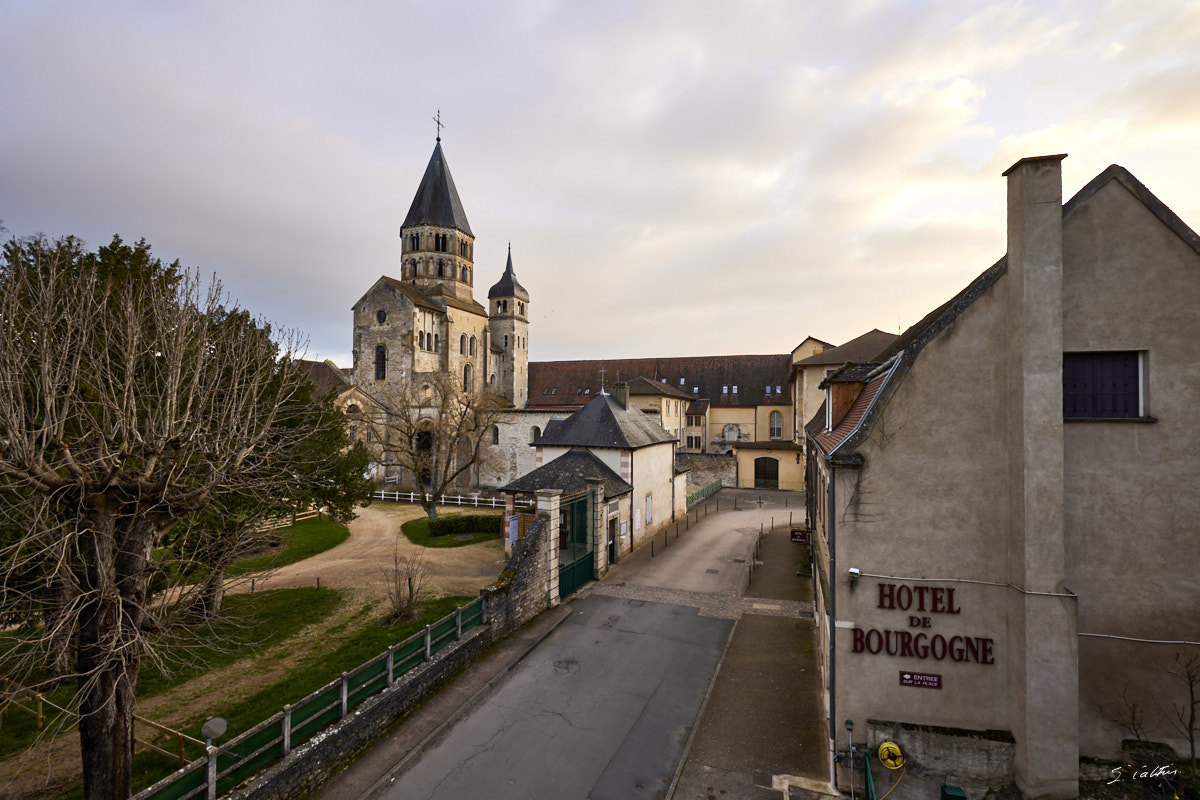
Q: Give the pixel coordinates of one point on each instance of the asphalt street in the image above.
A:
(602, 709)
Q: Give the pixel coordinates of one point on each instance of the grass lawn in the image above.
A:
(304, 540)
(417, 531)
(248, 623)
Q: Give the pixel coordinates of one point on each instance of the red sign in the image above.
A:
(921, 679)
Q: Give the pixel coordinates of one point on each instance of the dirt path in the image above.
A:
(359, 565)
(356, 568)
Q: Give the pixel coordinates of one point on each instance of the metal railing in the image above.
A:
(699, 495)
(224, 767)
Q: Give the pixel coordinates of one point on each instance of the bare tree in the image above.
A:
(131, 398)
(433, 429)
(405, 580)
(1183, 716)
(1124, 713)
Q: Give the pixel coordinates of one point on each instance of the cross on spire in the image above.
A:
(438, 120)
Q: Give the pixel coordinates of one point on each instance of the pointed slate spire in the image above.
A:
(508, 286)
(436, 202)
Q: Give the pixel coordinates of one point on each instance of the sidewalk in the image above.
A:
(762, 732)
(391, 754)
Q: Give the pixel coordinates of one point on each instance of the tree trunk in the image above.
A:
(212, 595)
(115, 577)
(106, 685)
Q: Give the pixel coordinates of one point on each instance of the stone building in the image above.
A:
(428, 320)
(1005, 503)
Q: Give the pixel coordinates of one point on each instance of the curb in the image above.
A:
(687, 747)
(467, 705)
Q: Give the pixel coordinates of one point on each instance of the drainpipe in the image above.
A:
(832, 620)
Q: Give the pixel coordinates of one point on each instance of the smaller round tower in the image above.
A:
(508, 323)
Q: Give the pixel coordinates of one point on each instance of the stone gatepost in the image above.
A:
(547, 503)
(597, 532)
(509, 511)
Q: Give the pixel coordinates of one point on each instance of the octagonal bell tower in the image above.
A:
(437, 244)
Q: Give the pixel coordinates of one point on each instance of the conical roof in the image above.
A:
(437, 200)
(508, 285)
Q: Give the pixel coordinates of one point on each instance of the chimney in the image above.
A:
(1044, 676)
(620, 393)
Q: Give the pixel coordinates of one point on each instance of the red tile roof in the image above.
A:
(829, 440)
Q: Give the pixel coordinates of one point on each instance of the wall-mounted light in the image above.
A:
(855, 574)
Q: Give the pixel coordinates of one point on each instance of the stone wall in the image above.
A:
(973, 760)
(706, 468)
(527, 586)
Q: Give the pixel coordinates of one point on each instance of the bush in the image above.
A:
(473, 523)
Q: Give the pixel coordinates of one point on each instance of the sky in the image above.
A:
(675, 177)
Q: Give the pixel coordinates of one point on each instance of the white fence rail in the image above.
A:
(448, 499)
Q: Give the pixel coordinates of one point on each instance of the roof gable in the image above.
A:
(859, 349)
(570, 473)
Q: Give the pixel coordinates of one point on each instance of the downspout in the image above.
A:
(832, 619)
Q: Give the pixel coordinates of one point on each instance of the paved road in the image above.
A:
(608, 705)
(601, 710)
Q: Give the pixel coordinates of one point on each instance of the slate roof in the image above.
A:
(698, 408)
(569, 472)
(435, 299)
(554, 383)
(861, 348)
(508, 285)
(644, 386)
(604, 423)
(326, 377)
(436, 201)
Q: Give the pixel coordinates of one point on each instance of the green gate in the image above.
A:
(577, 562)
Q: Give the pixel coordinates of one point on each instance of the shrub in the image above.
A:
(469, 523)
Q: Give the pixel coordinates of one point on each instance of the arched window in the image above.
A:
(436, 343)
(467, 378)
(472, 345)
(381, 363)
(495, 434)
(462, 344)
(535, 433)
(776, 425)
(352, 408)
(441, 268)
(466, 275)
(421, 340)
(520, 308)
(492, 380)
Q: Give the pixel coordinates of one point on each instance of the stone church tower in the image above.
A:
(437, 244)
(427, 320)
(508, 307)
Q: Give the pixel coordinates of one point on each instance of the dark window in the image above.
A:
(462, 344)
(1104, 385)
(381, 316)
(495, 435)
(380, 363)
